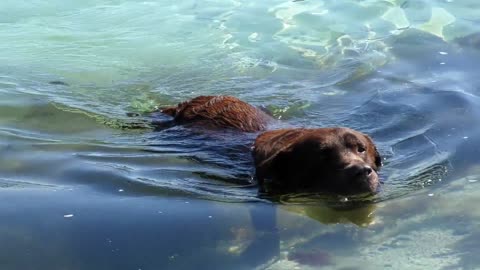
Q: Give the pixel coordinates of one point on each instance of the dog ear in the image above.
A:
(270, 146)
(377, 157)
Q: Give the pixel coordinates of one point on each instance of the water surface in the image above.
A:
(85, 186)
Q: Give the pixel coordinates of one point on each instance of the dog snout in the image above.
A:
(359, 171)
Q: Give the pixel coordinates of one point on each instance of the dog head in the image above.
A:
(334, 160)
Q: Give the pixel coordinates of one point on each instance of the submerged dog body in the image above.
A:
(335, 160)
(220, 111)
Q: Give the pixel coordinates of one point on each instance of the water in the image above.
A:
(84, 186)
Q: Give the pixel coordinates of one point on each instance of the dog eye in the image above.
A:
(361, 149)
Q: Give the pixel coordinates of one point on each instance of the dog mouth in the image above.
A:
(359, 178)
(373, 182)
(368, 183)
(354, 185)
(361, 183)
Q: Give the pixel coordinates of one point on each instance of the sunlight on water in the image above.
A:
(114, 44)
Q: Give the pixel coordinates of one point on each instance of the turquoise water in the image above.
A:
(85, 186)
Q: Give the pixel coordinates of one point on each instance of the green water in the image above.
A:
(82, 189)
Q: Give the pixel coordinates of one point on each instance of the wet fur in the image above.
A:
(294, 159)
(220, 111)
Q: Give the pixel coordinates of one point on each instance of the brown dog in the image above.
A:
(336, 160)
(220, 111)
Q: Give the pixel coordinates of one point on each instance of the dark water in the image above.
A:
(85, 186)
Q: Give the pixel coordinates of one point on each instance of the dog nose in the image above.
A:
(360, 171)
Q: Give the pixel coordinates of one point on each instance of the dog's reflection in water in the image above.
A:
(358, 213)
(292, 226)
